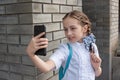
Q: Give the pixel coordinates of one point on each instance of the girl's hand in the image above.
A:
(37, 43)
(96, 63)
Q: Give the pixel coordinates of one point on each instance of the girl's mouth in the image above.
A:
(71, 38)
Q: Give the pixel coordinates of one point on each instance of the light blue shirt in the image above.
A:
(80, 67)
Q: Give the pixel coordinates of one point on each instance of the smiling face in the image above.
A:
(73, 30)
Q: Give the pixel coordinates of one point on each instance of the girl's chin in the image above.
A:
(73, 41)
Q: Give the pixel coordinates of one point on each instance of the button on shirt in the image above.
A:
(80, 67)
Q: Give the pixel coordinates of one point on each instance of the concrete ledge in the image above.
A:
(116, 68)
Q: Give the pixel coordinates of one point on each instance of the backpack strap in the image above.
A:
(62, 70)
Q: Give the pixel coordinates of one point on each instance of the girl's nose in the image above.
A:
(69, 32)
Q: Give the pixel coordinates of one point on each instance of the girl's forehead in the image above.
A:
(69, 20)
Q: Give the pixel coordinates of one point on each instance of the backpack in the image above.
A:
(62, 70)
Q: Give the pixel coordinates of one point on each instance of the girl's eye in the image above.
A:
(73, 28)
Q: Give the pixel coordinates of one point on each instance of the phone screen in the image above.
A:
(37, 30)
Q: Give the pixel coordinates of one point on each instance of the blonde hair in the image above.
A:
(80, 16)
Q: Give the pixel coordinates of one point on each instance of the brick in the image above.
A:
(43, 1)
(64, 40)
(25, 1)
(58, 17)
(14, 76)
(77, 8)
(4, 75)
(19, 29)
(59, 1)
(2, 57)
(13, 59)
(44, 76)
(28, 78)
(53, 44)
(25, 39)
(16, 49)
(2, 10)
(80, 3)
(49, 8)
(52, 27)
(62, 25)
(3, 38)
(7, 1)
(2, 29)
(65, 9)
(26, 60)
(11, 19)
(22, 69)
(71, 2)
(41, 18)
(2, 1)
(13, 39)
(3, 19)
(16, 8)
(4, 66)
(36, 7)
(55, 77)
(25, 18)
(58, 35)
(3, 48)
(49, 36)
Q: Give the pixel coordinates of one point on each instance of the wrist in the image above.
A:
(30, 52)
(98, 69)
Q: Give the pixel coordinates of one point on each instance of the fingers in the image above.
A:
(95, 58)
(40, 43)
(41, 40)
(40, 35)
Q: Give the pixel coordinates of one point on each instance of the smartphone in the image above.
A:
(37, 30)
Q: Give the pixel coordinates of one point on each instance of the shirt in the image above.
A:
(80, 67)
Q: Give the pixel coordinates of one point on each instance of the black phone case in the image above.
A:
(37, 30)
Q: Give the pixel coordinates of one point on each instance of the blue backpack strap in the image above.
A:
(62, 71)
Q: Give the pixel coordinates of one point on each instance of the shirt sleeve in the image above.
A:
(60, 55)
(95, 49)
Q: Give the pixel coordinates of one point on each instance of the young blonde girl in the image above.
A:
(85, 62)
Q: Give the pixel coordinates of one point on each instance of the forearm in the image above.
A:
(98, 71)
(40, 64)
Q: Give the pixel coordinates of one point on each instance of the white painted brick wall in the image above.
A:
(41, 18)
(57, 17)
(65, 9)
(49, 8)
(52, 27)
(59, 1)
(58, 35)
(72, 2)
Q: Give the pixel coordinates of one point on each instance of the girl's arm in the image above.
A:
(35, 44)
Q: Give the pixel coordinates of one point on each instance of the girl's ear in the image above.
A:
(85, 28)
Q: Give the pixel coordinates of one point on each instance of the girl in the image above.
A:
(85, 62)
